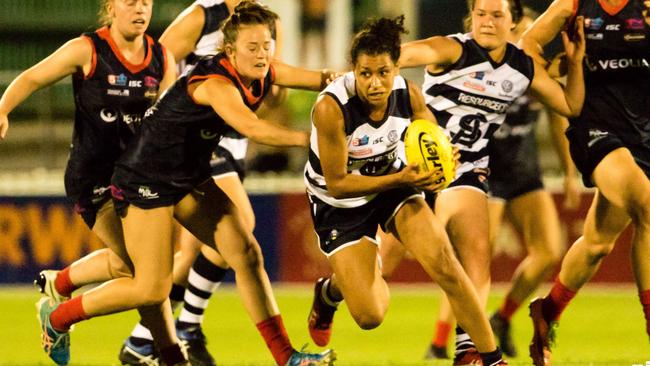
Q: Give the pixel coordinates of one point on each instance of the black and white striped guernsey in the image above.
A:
(470, 98)
(373, 147)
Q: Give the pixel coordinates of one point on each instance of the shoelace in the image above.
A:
(144, 360)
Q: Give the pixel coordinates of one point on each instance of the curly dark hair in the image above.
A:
(247, 13)
(378, 36)
(516, 9)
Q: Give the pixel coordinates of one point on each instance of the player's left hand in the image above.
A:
(575, 47)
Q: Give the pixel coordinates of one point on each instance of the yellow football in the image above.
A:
(426, 144)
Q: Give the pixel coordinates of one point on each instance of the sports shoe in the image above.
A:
(302, 358)
(321, 316)
(469, 357)
(436, 353)
(501, 329)
(192, 338)
(45, 281)
(543, 335)
(143, 354)
(55, 344)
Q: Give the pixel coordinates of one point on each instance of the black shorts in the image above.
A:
(515, 187)
(87, 192)
(477, 178)
(338, 228)
(223, 163)
(589, 145)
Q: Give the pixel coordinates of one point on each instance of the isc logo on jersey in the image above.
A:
(427, 145)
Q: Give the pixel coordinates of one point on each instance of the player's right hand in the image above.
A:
(4, 126)
(413, 176)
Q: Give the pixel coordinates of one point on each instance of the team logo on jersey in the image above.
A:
(361, 141)
(392, 136)
(473, 86)
(594, 23)
(146, 193)
(150, 82)
(151, 93)
(119, 80)
(634, 37)
(634, 23)
(507, 86)
(479, 75)
(118, 92)
(108, 115)
(208, 135)
(595, 36)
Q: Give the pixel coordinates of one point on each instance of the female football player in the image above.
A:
(609, 144)
(356, 181)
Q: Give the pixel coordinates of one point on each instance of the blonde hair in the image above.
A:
(103, 17)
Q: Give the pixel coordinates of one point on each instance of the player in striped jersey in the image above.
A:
(356, 182)
(470, 81)
(609, 142)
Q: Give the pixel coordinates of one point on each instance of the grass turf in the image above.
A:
(603, 326)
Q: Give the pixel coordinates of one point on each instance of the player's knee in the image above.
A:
(152, 292)
(370, 318)
(640, 211)
(598, 251)
(250, 256)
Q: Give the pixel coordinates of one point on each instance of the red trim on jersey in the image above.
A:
(195, 79)
(105, 34)
(93, 59)
(611, 9)
(233, 72)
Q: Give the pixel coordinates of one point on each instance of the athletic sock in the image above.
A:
(204, 278)
(68, 313)
(172, 355)
(508, 308)
(463, 342)
(176, 296)
(442, 334)
(140, 332)
(63, 284)
(492, 358)
(327, 296)
(644, 296)
(276, 338)
(557, 300)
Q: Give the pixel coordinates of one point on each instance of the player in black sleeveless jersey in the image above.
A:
(165, 173)
(355, 184)
(118, 72)
(609, 144)
(196, 33)
(470, 81)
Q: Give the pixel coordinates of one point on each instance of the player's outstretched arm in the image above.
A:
(73, 56)
(437, 51)
(545, 28)
(225, 99)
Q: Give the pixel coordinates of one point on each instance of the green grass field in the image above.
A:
(601, 327)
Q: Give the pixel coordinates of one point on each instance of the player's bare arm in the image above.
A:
(227, 102)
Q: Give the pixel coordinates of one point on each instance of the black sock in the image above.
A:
(492, 358)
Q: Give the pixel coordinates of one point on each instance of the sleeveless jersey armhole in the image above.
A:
(463, 55)
(93, 59)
